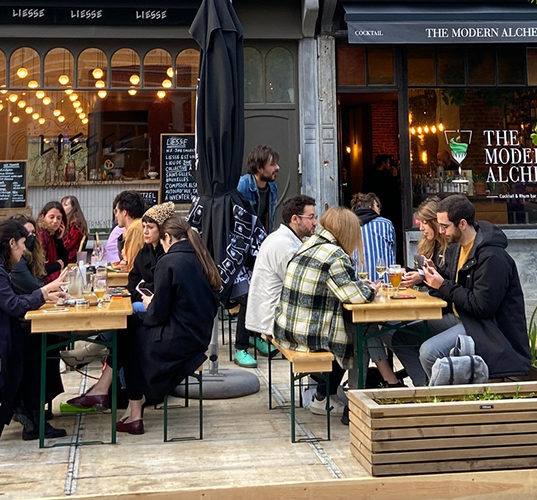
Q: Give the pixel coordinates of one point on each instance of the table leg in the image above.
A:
(114, 386)
(42, 387)
(360, 354)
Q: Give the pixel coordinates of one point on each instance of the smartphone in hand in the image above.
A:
(142, 289)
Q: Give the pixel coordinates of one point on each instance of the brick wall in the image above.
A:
(384, 129)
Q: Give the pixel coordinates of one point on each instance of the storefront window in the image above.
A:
(25, 67)
(380, 66)
(253, 75)
(280, 85)
(477, 141)
(481, 67)
(511, 63)
(421, 66)
(93, 129)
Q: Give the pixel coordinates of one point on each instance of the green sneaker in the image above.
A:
(251, 341)
(263, 347)
(243, 358)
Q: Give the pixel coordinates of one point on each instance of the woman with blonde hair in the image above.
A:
(319, 279)
(432, 246)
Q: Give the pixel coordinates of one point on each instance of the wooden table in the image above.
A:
(385, 309)
(70, 324)
(117, 279)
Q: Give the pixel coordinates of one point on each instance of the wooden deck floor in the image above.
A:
(246, 453)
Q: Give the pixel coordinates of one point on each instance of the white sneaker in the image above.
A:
(319, 407)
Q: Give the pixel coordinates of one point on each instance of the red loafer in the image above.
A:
(99, 402)
(134, 427)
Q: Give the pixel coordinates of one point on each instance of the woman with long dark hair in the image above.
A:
(51, 223)
(26, 276)
(76, 228)
(12, 306)
(179, 319)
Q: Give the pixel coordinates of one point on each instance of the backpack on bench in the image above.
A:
(462, 366)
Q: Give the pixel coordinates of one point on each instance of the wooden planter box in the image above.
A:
(427, 437)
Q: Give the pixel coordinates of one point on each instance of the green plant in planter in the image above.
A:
(479, 178)
(532, 335)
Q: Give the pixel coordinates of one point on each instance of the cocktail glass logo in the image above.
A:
(458, 142)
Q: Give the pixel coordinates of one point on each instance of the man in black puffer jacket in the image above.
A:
(485, 291)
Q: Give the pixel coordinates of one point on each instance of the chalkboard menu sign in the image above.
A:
(177, 153)
(150, 196)
(12, 184)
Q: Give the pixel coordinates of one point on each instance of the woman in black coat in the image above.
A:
(12, 307)
(180, 315)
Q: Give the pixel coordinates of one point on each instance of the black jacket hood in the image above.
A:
(490, 235)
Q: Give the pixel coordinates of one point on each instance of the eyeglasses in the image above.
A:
(310, 217)
(445, 226)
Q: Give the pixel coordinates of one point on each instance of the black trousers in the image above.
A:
(335, 378)
(242, 335)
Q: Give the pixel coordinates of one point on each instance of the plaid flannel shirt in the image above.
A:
(319, 279)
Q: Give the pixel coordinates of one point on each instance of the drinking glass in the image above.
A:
(380, 267)
(100, 284)
(362, 271)
(395, 273)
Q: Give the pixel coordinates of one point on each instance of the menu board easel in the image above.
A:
(12, 184)
(177, 162)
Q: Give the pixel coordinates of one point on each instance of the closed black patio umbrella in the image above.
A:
(231, 232)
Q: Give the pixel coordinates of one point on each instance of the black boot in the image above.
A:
(31, 431)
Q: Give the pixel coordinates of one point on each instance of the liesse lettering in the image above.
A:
(86, 13)
(28, 13)
(151, 14)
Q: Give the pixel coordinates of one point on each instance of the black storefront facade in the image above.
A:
(91, 93)
(448, 90)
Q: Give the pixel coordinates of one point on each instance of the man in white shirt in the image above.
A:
(299, 222)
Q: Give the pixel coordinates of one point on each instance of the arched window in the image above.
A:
(25, 68)
(279, 72)
(253, 75)
(2, 69)
(59, 68)
(187, 64)
(158, 68)
(125, 69)
(92, 67)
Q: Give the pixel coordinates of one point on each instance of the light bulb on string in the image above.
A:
(134, 79)
(22, 72)
(76, 104)
(79, 110)
(29, 110)
(13, 97)
(15, 119)
(21, 104)
(73, 97)
(68, 91)
(100, 84)
(82, 116)
(33, 84)
(85, 121)
(170, 72)
(161, 94)
(35, 116)
(61, 118)
(56, 112)
(41, 121)
(97, 73)
(132, 91)
(1, 106)
(63, 79)
(40, 94)
(102, 94)
(47, 100)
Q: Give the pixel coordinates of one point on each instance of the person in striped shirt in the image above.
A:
(378, 234)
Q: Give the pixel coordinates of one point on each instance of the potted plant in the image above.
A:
(444, 428)
(480, 184)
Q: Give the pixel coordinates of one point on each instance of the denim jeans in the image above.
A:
(447, 330)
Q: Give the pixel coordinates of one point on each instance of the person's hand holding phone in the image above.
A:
(146, 299)
(432, 276)
(411, 278)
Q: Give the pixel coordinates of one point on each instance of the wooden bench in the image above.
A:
(302, 364)
(198, 375)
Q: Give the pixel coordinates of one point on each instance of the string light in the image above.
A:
(47, 100)
(33, 84)
(134, 79)
(97, 73)
(13, 97)
(40, 94)
(68, 91)
(41, 121)
(166, 83)
(161, 94)
(15, 119)
(56, 112)
(63, 79)
(170, 72)
(35, 116)
(132, 91)
(61, 118)
(29, 110)
(76, 104)
(100, 84)
(21, 104)
(22, 72)
(79, 110)
(85, 121)
(102, 94)
(82, 116)
(73, 97)
(1, 106)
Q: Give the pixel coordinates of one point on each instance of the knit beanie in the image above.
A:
(160, 213)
